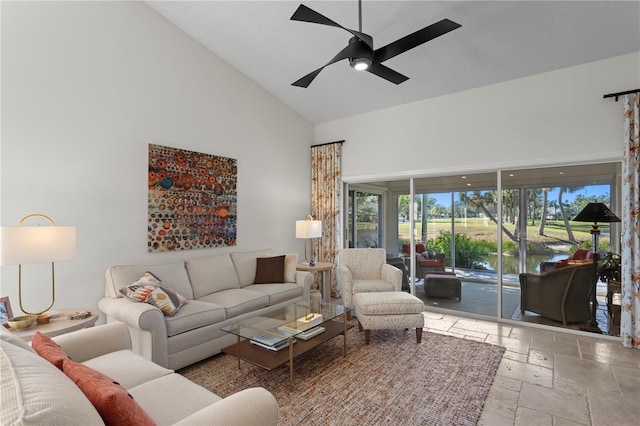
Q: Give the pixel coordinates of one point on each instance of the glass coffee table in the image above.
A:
(277, 338)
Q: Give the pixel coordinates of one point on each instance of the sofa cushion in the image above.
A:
(196, 314)
(238, 301)
(149, 289)
(173, 275)
(113, 402)
(367, 286)
(37, 393)
(279, 292)
(127, 367)
(245, 264)
(290, 265)
(48, 349)
(269, 270)
(211, 274)
(169, 399)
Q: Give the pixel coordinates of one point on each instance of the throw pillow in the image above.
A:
(149, 289)
(111, 400)
(290, 265)
(48, 349)
(269, 270)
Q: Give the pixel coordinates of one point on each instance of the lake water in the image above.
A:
(510, 264)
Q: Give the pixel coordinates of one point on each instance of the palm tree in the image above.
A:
(569, 189)
(480, 201)
(545, 202)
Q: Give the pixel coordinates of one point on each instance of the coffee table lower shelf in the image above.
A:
(246, 351)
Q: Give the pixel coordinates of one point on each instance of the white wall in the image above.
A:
(85, 87)
(558, 117)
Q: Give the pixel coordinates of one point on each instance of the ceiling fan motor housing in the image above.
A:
(362, 54)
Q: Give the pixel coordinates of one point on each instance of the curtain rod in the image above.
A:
(328, 143)
(617, 95)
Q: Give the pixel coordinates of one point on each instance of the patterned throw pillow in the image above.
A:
(290, 264)
(48, 349)
(149, 289)
(111, 400)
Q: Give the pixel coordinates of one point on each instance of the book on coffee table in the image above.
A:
(274, 339)
(278, 346)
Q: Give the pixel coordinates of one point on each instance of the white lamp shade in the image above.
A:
(308, 228)
(37, 244)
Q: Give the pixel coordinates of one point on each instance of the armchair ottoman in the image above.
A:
(384, 310)
(443, 285)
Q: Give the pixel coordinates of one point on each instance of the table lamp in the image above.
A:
(308, 228)
(595, 212)
(37, 244)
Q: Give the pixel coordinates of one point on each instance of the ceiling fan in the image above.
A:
(360, 50)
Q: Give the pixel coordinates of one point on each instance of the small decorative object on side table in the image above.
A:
(60, 322)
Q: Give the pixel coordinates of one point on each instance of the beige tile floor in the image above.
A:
(552, 378)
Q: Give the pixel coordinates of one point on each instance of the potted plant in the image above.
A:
(609, 268)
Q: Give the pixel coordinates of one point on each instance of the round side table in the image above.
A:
(61, 324)
(324, 267)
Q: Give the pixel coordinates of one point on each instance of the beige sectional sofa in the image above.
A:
(220, 289)
(35, 392)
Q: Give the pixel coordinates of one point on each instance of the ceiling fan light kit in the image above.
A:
(360, 51)
(362, 55)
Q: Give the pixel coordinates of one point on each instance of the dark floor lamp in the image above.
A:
(595, 212)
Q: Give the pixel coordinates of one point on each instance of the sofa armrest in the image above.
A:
(89, 343)
(146, 324)
(305, 279)
(253, 406)
(392, 275)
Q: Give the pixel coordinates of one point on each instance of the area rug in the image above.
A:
(442, 381)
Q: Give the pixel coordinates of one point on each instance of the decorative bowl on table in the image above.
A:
(43, 318)
(24, 321)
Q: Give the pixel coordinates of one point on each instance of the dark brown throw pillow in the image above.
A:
(269, 270)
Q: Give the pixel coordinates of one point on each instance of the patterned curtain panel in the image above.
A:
(630, 318)
(326, 190)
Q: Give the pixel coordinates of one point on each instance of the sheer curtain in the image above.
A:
(326, 201)
(630, 319)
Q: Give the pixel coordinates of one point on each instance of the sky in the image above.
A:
(588, 191)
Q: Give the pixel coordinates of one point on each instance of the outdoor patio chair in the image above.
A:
(426, 261)
(563, 294)
(365, 270)
(580, 256)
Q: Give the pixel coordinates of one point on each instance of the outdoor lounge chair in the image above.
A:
(426, 261)
(563, 294)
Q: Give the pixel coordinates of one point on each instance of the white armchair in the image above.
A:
(364, 270)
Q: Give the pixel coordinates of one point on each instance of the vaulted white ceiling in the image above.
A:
(498, 41)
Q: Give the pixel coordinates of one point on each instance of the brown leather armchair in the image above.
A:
(563, 294)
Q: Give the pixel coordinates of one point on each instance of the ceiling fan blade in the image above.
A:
(306, 14)
(413, 40)
(387, 73)
(305, 81)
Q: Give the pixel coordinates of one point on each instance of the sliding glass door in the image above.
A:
(364, 219)
(488, 227)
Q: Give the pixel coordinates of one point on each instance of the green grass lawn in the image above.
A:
(484, 229)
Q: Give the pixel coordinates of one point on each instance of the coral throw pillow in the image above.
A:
(111, 400)
(48, 349)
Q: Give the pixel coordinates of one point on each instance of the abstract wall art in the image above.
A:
(192, 200)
